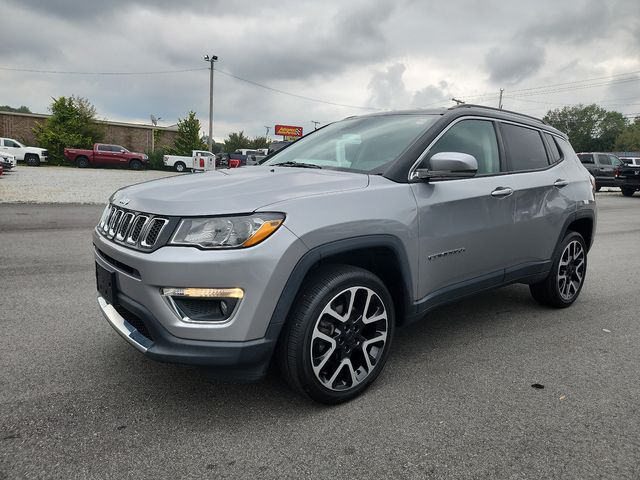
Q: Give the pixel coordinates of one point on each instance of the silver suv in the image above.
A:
(313, 258)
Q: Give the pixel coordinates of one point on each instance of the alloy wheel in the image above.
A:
(571, 270)
(349, 338)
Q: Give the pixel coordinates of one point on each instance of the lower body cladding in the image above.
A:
(152, 300)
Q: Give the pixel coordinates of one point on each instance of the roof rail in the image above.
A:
(471, 105)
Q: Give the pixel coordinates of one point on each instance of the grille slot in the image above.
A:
(137, 230)
(153, 232)
(124, 226)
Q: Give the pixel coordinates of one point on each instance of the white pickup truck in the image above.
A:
(181, 163)
(32, 155)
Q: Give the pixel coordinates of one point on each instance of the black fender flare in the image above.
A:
(313, 256)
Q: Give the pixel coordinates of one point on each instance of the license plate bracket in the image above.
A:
(106, 283)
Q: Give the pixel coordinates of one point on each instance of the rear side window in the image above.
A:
(104, 148)
(474, 137)
(524, 147)
(586, 158)
(554, 151)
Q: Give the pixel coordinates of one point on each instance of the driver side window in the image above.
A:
(474, 137)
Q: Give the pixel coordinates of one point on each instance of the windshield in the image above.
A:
(361, 144)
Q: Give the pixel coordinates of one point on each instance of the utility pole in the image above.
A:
(211, 59)
(315, 124)
(500, 101)
(458, 102)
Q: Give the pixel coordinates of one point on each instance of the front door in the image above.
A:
(465, 225)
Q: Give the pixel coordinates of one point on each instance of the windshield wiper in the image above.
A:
(296, 164)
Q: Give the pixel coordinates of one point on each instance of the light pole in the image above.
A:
(315, 124)
(211, 59)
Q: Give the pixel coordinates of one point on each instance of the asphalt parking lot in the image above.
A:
(455, 400)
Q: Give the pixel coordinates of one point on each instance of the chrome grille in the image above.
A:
(137, 230)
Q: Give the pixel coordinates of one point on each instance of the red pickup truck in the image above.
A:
(106, 155)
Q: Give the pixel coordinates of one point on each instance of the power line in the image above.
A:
(304, 97)
(60, 72)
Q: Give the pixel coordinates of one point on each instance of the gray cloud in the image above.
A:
(387, 54)
(511, 64)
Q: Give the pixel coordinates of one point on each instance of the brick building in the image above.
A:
(136, 137)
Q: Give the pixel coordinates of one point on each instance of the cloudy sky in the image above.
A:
(357, 56)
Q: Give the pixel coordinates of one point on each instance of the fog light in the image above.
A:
(224, 308)
(203, 292)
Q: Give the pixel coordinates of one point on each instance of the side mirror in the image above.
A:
(122, 150)
(449, 165)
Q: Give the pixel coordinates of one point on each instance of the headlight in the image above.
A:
(227, 232)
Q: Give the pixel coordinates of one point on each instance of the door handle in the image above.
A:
(560, 183)
(502, 192)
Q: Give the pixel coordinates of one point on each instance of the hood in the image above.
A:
(230, 191)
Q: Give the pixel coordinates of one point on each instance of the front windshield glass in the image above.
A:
(361, 144)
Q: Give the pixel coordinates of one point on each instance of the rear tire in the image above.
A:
(627, 192)
(566, 278)
(82, 162)
(338, 334)
(32, 160)
(180, 167)
(135, 164)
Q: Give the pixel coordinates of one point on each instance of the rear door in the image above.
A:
(538, 176)
(13, 148)
(102, 155)
(606, 166)
(465, 225)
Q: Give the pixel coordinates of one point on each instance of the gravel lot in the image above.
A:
(67, 184)
(455, 400)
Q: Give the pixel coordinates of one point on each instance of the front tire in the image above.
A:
(627, 192)
(566, 278)
(338, 335)
(32, 160)
(135, 164)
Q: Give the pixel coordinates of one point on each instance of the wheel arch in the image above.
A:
(383, 255)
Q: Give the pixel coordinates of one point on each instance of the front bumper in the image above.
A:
(245, 361)
(147, 321)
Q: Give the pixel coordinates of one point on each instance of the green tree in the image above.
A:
(188, 137)
(589, 127)
(20, 109)
(629, 140)
(259, 142)
(71, 124)
(236, 141)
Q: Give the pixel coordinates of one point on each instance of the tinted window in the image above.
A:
(554, 151)
(525, 148)
(615, 161)
(604, 159)
(11, 143)
(117, 148)
(474, 137)
(104, 148)
(586, 158)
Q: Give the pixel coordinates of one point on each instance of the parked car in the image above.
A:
(106, 155)
(275, 146)
(602, 166)
(33, 156)
(315, 257)
(633, 161)
(8, 161)
(181, 163)
(628, 179)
